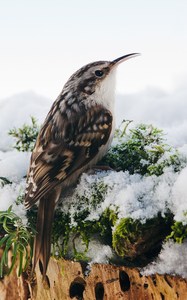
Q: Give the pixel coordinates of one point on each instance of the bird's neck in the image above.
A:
(105, 93)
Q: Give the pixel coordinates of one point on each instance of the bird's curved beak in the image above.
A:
(123, 58)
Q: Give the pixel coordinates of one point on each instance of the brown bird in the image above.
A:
(77, 132)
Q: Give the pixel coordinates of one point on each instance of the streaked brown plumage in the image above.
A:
(76, 133)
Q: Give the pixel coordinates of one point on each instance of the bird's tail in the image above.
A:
(42, 242)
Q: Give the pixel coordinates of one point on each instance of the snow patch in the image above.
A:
(17, 110)
(99, 253)
(134, 196)
(8, 197)
(179, 196)
(14, 165)
(171, 260)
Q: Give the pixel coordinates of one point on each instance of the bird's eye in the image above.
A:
(99, 73)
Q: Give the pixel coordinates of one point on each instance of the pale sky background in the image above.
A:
(44, 41)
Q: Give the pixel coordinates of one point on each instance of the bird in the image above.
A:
(75, 135)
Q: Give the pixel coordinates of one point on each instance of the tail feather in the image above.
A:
(39, 234)
(42, 243)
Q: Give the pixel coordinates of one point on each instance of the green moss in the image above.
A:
(64, 232)
(126, 231)
(178, 233)
(61, 232)
(100, 229)
(132, 239)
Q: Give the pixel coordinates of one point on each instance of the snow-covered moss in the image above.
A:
(142, 150)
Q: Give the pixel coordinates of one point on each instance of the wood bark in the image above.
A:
(67, 280)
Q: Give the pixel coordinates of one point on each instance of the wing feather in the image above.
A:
(66, 143)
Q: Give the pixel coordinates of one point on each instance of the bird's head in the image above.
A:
(89, 76)
(96, 79)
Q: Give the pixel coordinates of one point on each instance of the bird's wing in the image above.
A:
(67, 142)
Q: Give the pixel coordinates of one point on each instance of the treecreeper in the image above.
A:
(76, 133)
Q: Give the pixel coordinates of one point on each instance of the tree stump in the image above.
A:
(67, 280)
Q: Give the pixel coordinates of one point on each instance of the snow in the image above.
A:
(8, 196)
(99, 253)
(179, 195)
(171, 260)
(17, 110)
(14, 164)
(14, 112)
(167, 110)
(133, 196)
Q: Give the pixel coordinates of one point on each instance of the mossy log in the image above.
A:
(67, 281)
(138, 242)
